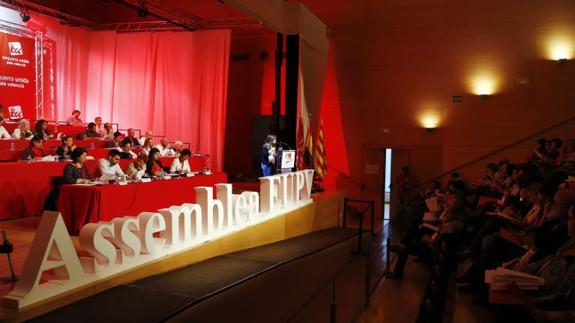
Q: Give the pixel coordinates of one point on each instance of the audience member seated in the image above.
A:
(90, 132)
(126, 150)
(147, 146)
(99, 127)
(154, 165)
(491, 183)
(76, 172)
(23, 130)
(555, 145)
(116, 142)
(66, 149)
(75, 120)
(41, 129)
(526, 224)
(136, 170)
(108, 133)
(131, 137)
(165, 148)
(540, 154)
(149, 135)
(109, 168)
(35, 151)
(181, 165)
(569, 151)
(456, 183)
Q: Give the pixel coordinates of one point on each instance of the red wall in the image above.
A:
(395, 61)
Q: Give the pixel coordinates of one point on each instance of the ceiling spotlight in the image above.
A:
(25, 17)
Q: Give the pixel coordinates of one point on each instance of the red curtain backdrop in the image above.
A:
(173, 83)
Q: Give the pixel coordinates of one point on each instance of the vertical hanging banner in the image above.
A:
(17, 76)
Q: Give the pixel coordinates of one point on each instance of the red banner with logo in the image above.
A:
(17, 76)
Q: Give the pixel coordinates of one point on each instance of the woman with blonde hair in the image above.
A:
(23, 130)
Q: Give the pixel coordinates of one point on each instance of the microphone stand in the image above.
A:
(7, 247)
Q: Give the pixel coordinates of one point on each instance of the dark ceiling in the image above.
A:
(154, 14)
(110, 11)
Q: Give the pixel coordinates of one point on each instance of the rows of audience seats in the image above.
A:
(34, 140)
(519, 219)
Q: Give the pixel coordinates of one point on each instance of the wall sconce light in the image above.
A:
(484, 86)
(560, 49)
(429, 121)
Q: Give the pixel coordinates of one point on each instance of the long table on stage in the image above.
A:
(80, 204)
(25, 186)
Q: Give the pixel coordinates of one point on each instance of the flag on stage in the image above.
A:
(319, 156)
(308, 153)
(300, 153)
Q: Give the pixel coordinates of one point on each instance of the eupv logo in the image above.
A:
(15, 48)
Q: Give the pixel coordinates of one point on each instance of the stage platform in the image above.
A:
(325, 212)
(169, 295)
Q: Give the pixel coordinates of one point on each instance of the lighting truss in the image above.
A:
(169, 17)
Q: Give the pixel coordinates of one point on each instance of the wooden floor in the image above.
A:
(397, 301)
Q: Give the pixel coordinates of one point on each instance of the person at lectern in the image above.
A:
(269, 154)
(75, 120)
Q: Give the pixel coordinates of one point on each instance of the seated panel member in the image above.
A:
(4, 134)
(90, 132)
(41, 129)
(75, 120)
(165, 148)
(136, 170)
(76, 172)
(132, 137)
(178, 147)
(23, 130)
(116, 142)
(126, 150)
(108, 133)
(154, 165)
(147, 146)
(99, 126)
(35, 151)
(109, 167)
(65, 150)
(181, 165)
(149, 135)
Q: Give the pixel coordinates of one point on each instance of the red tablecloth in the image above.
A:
(25, 186)
(89, 204)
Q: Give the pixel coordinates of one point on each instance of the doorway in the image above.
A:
(380, 167)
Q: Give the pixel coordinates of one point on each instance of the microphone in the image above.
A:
(285, 144)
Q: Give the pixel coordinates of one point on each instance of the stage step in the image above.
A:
(191, 291)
